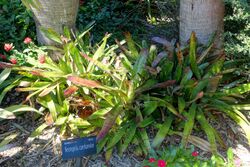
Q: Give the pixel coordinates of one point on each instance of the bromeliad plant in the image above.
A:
(195, 97)
(89, 91)
(66, 88)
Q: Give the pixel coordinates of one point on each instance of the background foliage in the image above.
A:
(16, 24)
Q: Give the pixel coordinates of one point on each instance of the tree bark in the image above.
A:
(54, 14)
(204, 17)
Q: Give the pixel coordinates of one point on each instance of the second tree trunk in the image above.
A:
(204, 17)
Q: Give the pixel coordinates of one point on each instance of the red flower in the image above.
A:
(8, 47)
(27, 40)
(195, 153)
(2, 56)
(161, 163)
(13, 60)
(151, 160)
(41, 59)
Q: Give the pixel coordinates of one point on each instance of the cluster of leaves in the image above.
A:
(183, 92)
(109, 93)
(196, 94)
(89, 91)
(180, 157)
(16, 24)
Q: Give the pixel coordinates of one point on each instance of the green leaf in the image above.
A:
(128, 139)
(8, 139)
(145, 141)
(204, 54)
(230, 157)
(163, 131)
(97, 63)
(8, 88)
(98, 54)
(146, 122)
(166, 70)
(181, 104)
(172, 109)
(47, 90)
(200, 86)
(208, 130)
(51, 34)
(80, 123)
(4, 75)
(108, 154)
(99, 113)
(39, 130)
(178, 73)
(192, 56)
(46, 65)
(102, 143)
(5, 114)
(22, 108)
(189, 124)
(131, 45)
(61, 120)
(140, 63)
(116, 138)
(52, 108)
(244, 88)
(241, 107)
(149, 107)
(186, 78)
(77, 59)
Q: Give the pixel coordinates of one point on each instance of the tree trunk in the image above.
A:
(55, 14)
(204, 17)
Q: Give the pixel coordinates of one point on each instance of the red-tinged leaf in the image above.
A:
(131, 45)
(70, 90)
(192, 56)
(179, 55)
(5, 65)
(165, 84)
(164, 42)
(158, 58)
(37, 73)
(109, 121)
(49, 119)
(84, 82)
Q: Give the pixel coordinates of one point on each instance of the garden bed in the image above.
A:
(46, 149)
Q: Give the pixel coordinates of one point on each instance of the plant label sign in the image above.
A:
(78, 147)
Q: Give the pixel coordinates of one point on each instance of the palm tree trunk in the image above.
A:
(204, 17)
(54, 14)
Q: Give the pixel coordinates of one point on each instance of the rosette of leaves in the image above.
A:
(89, 91)
(67, 88)
(133, 82)
(195, 98)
